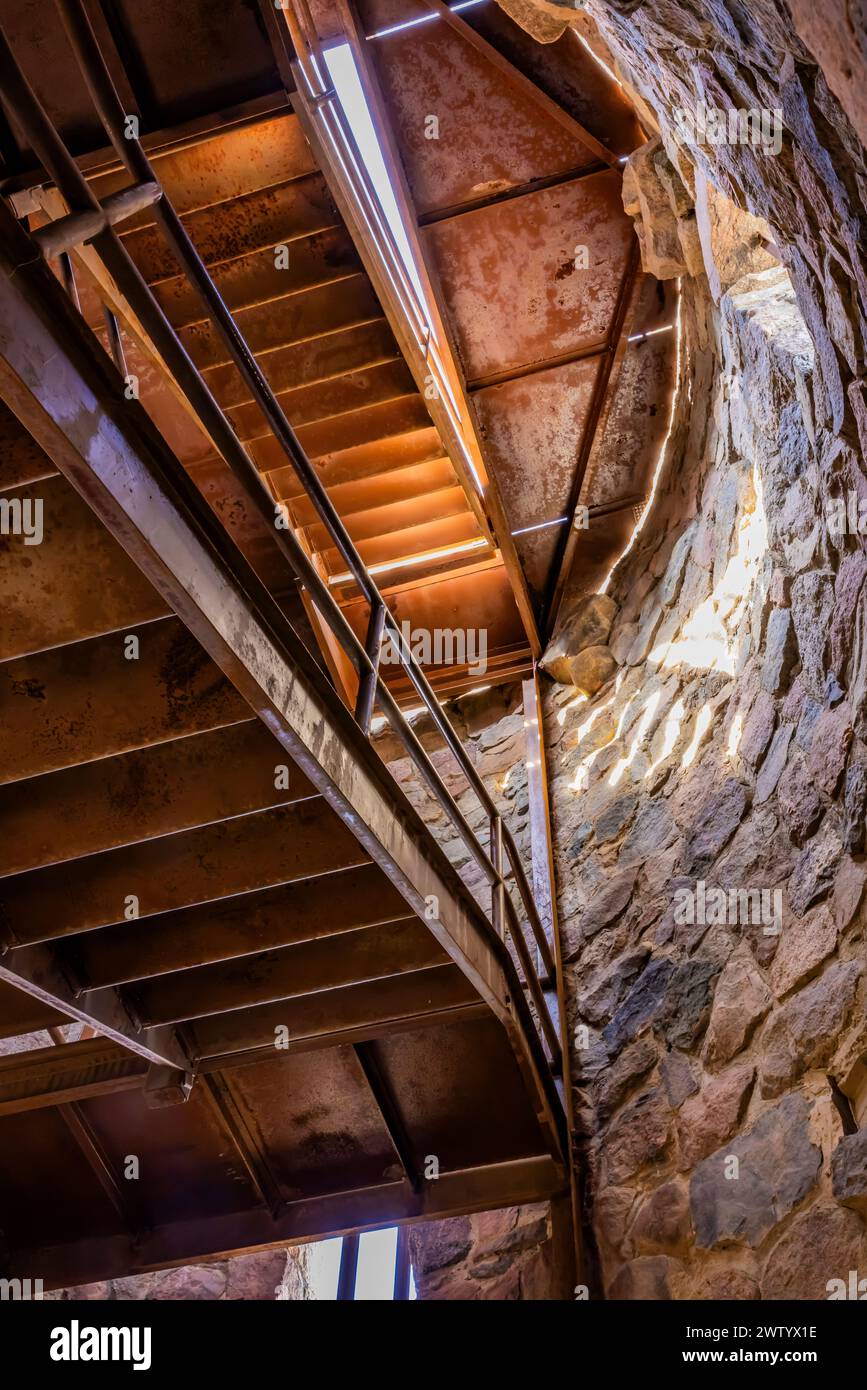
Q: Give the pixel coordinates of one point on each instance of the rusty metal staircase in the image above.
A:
(295, 1017)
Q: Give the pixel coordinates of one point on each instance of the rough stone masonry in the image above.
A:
(705, 717)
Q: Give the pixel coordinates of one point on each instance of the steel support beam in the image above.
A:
(67, 1073)
(70, 399)
(453, 1194)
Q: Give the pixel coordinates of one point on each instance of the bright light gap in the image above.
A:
(344, 76)
(408, 560)
(422, 19)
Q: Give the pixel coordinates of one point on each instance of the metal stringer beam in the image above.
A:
(64, 391)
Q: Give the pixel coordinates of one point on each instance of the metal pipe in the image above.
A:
(529, 902)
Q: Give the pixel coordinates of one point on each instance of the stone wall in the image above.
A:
(709, 797)
(510, 1254)
(280, 1275)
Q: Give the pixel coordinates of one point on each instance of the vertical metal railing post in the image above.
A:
(115, 342)
(367, 685)
(498, 888)
(67, 271)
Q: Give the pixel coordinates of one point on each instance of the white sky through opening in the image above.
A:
(377, 1253)
(347, 84)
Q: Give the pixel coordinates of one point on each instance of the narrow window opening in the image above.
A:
(375, 1267)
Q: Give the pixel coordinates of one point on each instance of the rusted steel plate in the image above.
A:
(567, 73)
(236, 163)
(139, 796)
(74, 582)
(317, 359)
(356, 957)
(411, 511)
(379, 457)
(188, 1162)
(319, 1123)
(329, 401)
(373, 425)
(481, 596)
(511, 279)
(413, 540)
(299, 207)
(534, 427)
(383, 490)
(40, 46)
(491, 136)
(599, 546)
(319, 1020)
(38, 1153)
(478, 603)
(198, 57)
(21, 1014)
(21, 459)
(195, 866)
(258, 278)
(442, 1080)
(239, 926)
(86, 700)
(625, 453)
(293, 319)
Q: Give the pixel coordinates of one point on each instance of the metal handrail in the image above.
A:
(55, 158)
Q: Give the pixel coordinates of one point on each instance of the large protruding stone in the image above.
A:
(849, 1171)
(740, 1192)
(586, 625)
